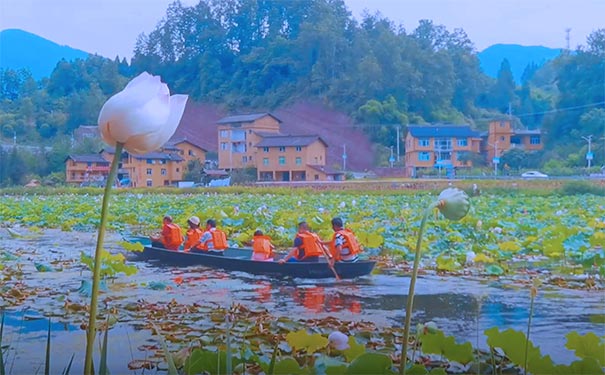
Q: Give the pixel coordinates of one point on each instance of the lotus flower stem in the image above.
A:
(96, 273)
(410, 300)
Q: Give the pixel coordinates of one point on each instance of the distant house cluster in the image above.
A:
(255, 141)
(448, 146)
(163, 167)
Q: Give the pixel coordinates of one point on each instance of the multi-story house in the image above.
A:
(293, 158)
(439, 146)
(149, 170)
(186, 149)
(501, 137)
(237, 136)
(85, 169)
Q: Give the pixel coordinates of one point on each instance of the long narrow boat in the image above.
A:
(236, 259)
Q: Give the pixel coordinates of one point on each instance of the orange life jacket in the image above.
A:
(219, 240)
(262, 245)
(193, 238)
(311, 245)
(350, 243)
(173, 238)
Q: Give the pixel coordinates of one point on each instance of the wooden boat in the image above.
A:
(238, 259)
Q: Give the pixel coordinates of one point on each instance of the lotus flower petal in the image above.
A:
(339, 340)
(143, 116)
(453, 203)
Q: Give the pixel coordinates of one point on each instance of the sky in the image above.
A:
(110, 27)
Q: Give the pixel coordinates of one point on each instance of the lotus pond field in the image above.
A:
(514, 257)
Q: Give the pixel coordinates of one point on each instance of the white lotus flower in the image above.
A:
(143, 116)
(338, 340)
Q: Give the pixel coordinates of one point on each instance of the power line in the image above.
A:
(560, 109)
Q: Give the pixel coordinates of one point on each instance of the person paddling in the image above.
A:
(344, 245)
(306, 246)
(170, 237)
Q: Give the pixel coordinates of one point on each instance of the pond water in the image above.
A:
(461, 306)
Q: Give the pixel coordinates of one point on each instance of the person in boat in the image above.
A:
(170, 237)
(194, 234)
(307, 246)
(344, 246)
(213, 241)
(262, 248)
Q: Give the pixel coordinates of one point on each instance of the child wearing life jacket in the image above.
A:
(262, 248)
(171, 236)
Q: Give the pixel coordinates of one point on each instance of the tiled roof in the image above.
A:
(245, 118)
(289, 140)
(88, 158)
(173, 142)
(325, 169)
(442, 131)
(527, 132)
(158, 156)
(150, 155)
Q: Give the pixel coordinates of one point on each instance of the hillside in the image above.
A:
(20, 49)
(335, 128)
(518, 56)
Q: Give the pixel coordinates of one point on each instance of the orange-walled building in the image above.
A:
(85, 168)
(501, 137)
(439, 146)
(237, 136)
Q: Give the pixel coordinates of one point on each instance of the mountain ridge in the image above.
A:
(518, 56)
(21, 49)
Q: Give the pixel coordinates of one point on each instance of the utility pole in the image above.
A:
(391, 159)
(398, 153)
(567, 31)
(14, 138)
(344, 157)
(496, 159)
(589, 155)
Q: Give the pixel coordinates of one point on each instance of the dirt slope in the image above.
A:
(335, 128)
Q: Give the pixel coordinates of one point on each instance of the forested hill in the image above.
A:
(249, 56)
(21, 49)
(518, 56)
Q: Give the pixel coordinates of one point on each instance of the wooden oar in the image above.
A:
(328, 257)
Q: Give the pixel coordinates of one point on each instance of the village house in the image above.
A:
(443, 146)
(164, 167)
(89, 168)
(439, 146)
(255, 141)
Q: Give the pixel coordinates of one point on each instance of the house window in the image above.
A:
(224, 133)
(224, 146)
(282, 149)
(298, 161)
(298, 148)
(89, 164)
(163, 172)
(424, 142)
(150, 161)
(316, 177)
(149, 183)
(534, 140)
(282, 160)
(162, 161)
(462, 143)
(191, 153)
(265, 149)
(73, 175)
(424, 156)
(502, 138)
(149, 172)
(244, 159)
(265, 161)
(177, 169)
